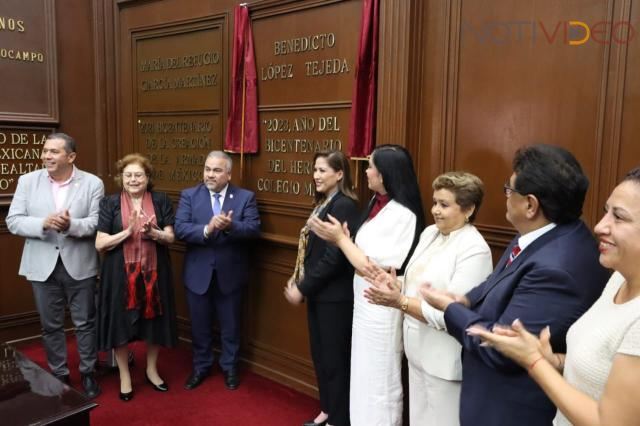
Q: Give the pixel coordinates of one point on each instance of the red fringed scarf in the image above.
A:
(140, 258)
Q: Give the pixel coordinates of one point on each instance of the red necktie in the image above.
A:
(514, 253)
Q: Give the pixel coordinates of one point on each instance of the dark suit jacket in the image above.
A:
(328, 275)
(552, 282)
(226, 253)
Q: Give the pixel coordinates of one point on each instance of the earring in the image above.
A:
(466, 219)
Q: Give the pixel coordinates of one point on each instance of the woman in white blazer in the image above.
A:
(386, 238)
(453, 256)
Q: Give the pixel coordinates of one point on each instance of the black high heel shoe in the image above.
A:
(126, 396)
(162, 387)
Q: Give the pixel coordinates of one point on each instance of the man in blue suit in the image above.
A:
(217, 221)
(548, 276)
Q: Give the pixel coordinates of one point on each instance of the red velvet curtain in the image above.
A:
(242, 123)
(363, 108)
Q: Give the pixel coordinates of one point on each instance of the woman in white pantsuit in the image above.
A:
(453, 256)
(386, 238)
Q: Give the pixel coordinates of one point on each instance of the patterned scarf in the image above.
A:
(298, 272)
(140, 258)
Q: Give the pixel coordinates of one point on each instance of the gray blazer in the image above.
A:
(33, 202)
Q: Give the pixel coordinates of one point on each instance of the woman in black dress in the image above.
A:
(324, 276)
(136, 299)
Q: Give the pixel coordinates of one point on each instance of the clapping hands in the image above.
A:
(58, 221)
(135, 218)
(221, 221)
(149, 228)
(441, 299)
(385, 287)
(331, 230)
(517, 343)
(140, 222)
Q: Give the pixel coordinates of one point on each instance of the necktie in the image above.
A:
(216, 204)
(514, 253)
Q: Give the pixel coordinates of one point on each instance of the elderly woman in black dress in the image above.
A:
(136, 299)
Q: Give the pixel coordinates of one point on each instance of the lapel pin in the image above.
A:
(230, 195)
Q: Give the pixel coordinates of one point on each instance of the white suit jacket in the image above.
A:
(461, 262)
(386, 239)
(33, 202)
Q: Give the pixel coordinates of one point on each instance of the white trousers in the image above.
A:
(376, 356)
(432, 401)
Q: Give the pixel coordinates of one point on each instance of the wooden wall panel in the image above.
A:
(507, 75)
(20, 148)
(28, 59)
(625, 135)
(430, 84)
(178, 76)
(76, 115)
(394, 74)
(305, 57)
(133, 17)
(18, 317)
(514, 92)
(306, 53)
(76, 79)
(277, 344)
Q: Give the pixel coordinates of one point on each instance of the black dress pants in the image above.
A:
(330, 338)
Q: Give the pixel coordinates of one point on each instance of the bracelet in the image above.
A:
(533, 364)
(404, 305)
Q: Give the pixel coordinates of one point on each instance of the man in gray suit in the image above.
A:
(56, 209)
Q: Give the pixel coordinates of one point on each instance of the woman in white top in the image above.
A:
(452, 256)
(602, 363)
(386, 238)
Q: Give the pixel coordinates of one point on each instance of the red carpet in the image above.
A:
(256, 401)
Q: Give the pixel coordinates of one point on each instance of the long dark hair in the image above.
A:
(338, 162)
(401, 183)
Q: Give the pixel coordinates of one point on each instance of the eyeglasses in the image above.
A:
(136, 175)
(509, 190)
